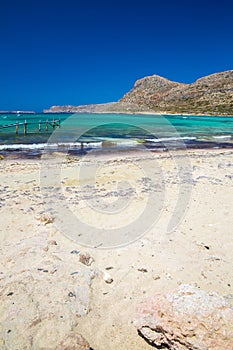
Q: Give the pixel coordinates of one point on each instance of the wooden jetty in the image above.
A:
(24, 125)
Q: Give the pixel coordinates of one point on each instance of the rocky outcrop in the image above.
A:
(210, 95)
(186, 319)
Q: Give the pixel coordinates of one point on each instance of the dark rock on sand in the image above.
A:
(74, 252)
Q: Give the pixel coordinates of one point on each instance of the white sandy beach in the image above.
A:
(48, 294)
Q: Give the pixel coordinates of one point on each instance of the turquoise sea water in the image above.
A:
(115, 130)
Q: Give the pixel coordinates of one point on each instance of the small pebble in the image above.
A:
(74, 252)
(86, 259)
(203, 274)
(156, 277)
(107, 278)
(52, 242)
(142, 270)
(45, 218)
(168, 276)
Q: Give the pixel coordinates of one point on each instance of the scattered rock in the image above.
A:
(142, 270)
(203, 274)
(74, 273)
(52, 242)
(46, 218)
(74, 252)
(109, 268)
(202, 245)
(168, 276)
(156, 277)
(187, 318)
(86, 259)
(71, 294)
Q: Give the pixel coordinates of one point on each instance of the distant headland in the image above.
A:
(210, 95)
(17, 112)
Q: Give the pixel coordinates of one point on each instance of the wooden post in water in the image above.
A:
(59, 122)
(39, 126)
(47, 125)
(82, 147)
(25, 127)
(53, 123)
(17, 128)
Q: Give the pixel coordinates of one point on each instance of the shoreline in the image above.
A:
(41, 145)
(105, 155)
(124, 156)
(25, 154)
(125, 112)
(143, 112)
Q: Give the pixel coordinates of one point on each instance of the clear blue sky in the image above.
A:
(81, 52)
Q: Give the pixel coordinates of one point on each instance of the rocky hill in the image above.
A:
(210, 95)
(151, 91)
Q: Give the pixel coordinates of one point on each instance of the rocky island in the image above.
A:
(210, 95)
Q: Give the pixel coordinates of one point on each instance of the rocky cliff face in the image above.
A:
(210, 95)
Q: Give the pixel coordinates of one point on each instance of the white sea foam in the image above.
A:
(167, 139)
(222, 137)
(128, 142)
(46, 146)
